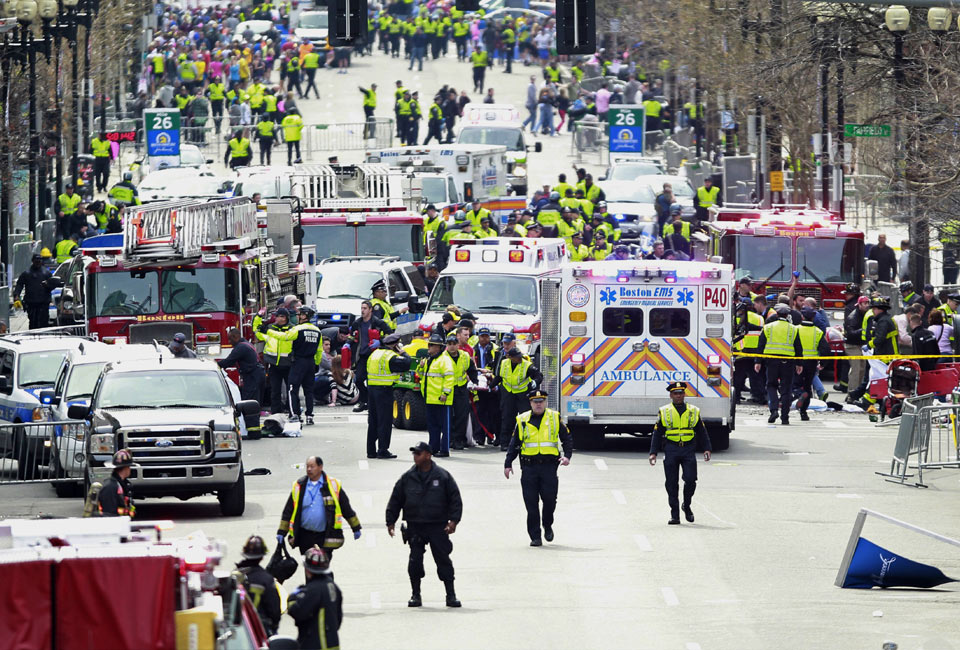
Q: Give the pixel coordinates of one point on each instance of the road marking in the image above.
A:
(367, 501)
(710, 512)
(669, 596)
(835, 424)
(642, 542)
(601, 464)
(375, 599)
(619, 498)
(796, 453)
(371, 539)
(690, 645)
(364, 464)
(849, 496)
(356, 419)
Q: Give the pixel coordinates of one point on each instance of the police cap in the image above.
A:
(677, 386)
(435, 339)
(483, 330)
(514, 352)
(391, 339)
(508, 337)
(379, 285)
(451, 339)
(536, 395)
(954, 296)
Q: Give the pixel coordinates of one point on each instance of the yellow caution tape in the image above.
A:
(840, 357)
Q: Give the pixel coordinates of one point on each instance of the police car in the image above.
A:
(28, 364)
(622, 330)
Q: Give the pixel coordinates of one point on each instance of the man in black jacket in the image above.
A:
(259, 584)
(924, 342)
(244, 356)
(35, 283)
(317, 607)
(365, 347)
(115, 499)
(885, 332)
(315, 510)
(430, 500)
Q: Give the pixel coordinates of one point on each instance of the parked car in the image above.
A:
(312, 28)
(178, 183)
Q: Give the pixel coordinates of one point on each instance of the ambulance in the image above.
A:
(498, 280)
(617, 332)
(500, 124)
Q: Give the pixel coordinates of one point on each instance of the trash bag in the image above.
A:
(281, 565)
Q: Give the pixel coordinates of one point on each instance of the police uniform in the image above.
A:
(814, 344)
(276, 353)
(515, 376)
(680, 434)
(384, 366)
(779, 337)
(537, 439)
(317, 607)
(743, 369)
(463, 370)
(436, 386)
(381, 308)
(306, 352)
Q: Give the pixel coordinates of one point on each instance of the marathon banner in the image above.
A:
(875, 566)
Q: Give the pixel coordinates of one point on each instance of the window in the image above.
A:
(486, 294)
(416, 280)
(618, 321)
(829, 260)
(122, 293)
(395, 278)
(40, 368)
(167, 389)
(669, 323)
(83, 379)
(758, 257)
(200, 290)
(6, 368)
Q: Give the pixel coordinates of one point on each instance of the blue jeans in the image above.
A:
(438, 426)
(546, 118)
(532, 119)
(417, 55)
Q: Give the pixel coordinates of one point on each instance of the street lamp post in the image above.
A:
(27, 12)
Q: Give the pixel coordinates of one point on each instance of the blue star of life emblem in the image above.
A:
(685, 297)
(608, 296)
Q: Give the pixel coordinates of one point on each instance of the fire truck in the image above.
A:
(351, 210)
(194, 267)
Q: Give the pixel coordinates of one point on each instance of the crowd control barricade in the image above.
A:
(927, 438)
(42, 452)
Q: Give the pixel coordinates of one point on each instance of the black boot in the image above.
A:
(415, 600)
(451, 595)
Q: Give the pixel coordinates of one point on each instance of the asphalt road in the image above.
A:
(756, 570)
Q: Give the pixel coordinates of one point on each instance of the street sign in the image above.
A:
(866, 130)
(626, 129)
(163, 131)
(776, 181)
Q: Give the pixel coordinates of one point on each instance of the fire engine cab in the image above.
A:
(617, 332)
(194, 267)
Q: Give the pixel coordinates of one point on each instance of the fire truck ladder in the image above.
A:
(334, 186)
(182, 230)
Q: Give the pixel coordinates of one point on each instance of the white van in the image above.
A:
(499, 124)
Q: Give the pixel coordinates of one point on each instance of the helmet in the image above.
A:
(460, 215)
(601, 205)
(554, 196)
(254, 549)
(316, 560)
(852, 288)
(906, 285)
(45, 252)
(880, 301)
(675, 208)
(123, 458)
(308, 311)
(128, 176)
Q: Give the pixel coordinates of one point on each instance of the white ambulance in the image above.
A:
(498, 280)
(500, 124)
(617, 332)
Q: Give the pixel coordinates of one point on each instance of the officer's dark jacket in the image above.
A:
(317, 608)
(261, 587)
(425, 497)
(33, 282)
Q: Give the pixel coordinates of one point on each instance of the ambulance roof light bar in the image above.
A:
(671, 275)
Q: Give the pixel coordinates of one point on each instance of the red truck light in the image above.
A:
(462, 256)
(515, 256)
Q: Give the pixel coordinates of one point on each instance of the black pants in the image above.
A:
(511, 405)
(38, 314)
(301, 376)
(379, 419)
(509, 56)
(449, 121)
(291, 145)
(806, 385)
(361, 377)
(780, 386)
(435, 131)
(311, 82)
(489, 415)
(251, 389)
(395, 45)
(293, 81)
(461, 42)
(266, 144)
(461, 411)
(742, 371)
(440, 547)
(240, 161)
(370, 130)
(278, 375)
(307, 539)
(216, 108)
(101, 172)
(676, 458)
(539, 484)
(478, 74)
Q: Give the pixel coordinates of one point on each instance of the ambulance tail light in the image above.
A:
(578, 316)
(713, 369)
(114, 340)
(516, 256)
(461, 256)
(577, 363)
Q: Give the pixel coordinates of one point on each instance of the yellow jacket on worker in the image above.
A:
(679, 427)
(292, 127)
(542, 440)
(437, 379)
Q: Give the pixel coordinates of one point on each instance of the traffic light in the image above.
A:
(576, 26)
(468, 5)
(348, 22)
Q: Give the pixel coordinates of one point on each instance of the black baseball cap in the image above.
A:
(421, 447)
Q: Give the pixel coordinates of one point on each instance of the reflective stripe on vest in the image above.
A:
(514, 379)
(378, 368)
(460, 365)
(751, 340)
(706, 198)
(542, 440)
(810, 336)
(679, 428)
(387, 312)
(334, 486)
(780, 337)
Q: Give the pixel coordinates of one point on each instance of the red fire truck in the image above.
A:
(194, 267)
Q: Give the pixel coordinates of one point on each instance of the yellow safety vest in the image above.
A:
(810, 336)
(652, 107)
(311, 61)
(865, 325)
(751, 340)
(684, 230)
(388, 312)
(239, 148)
(276, 351)
(780, 336)
(679, 428)
(475, 217)
(578, 253)
(370, 98)
(403, 107)
(378, 368)
(292, 125)
(460, 366)
(706, 198)
(544, 439)
(436, 378)
(601, 253)
(270, 103)
(265, 128)
(479, 59)
(68, 204)
(333, 485)
(101, 148)
(553, 74)
(64, 249)
(514, 378)
(216, 91)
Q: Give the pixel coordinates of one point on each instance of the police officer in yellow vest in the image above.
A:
(652, 110)
(68, 205)
(680, 434)
(477, 212)
(311, 62)
(509, 38)
(515, 375)
(381, 308)
(752, 324)
(537, 438)
(216, 92)
(124, 193)
(577, 251)
(239, 151)
(464, 370)
(707, 196)
(436, 387)
(266, 134)
(479, 60)
(315, 511)
(384, 367)
(276, 353)
(780, 337)
(814, 344)
(369, 106)
(100, 147)
(405, 117)
(292, 127)
(65, 247)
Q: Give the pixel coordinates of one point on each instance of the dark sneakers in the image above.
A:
(536, 542)
(548, 534)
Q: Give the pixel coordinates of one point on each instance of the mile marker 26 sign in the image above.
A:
(626, 129)
(163, 131)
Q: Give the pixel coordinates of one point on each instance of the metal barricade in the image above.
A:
(43, 452)
(927, 439)
(589, 143)
(319, 141)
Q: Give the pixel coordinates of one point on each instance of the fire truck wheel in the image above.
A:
(719, 437)
(234, 499)
(414, 410)
(399, 421)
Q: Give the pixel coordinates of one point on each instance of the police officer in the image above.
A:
(381, 308)
(365, 345)
(516, 375)
(743, 367)
(101, 149)
(266, 134)
(115, 498)
(315, 510)
(432, 515)
(384, 366)
(814, 344)
(680, 433)
(707, 196)
(36, 288)
(259, 584)
(306, 352)
(124, 193)
(311, 62)
(276, 352)
(537, 439)
(463, 370)
(435, 121)
(292, 132)
(317, 607)
(476, 213)
(68, 205)
(239, 152)
(436, 386)
(780, 337)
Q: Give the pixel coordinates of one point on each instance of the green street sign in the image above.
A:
(866, 130)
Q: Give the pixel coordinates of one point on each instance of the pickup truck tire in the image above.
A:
(414, 411)
(233, 500)
(26, 452)
(399, 421)
(64, 489)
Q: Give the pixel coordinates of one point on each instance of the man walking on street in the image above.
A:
(537, 438)
(384, 366)
(102, 154)
(680, 433)
(430, 501)
(36, 287)
(780, 337)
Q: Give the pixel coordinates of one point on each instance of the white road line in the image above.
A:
(356, 419)
(371, 538)
(601, 464)
(690, 645)
(363, 464)
(835, 424)
(618, 497)
(710, 512)
(796, 453)
(375, 599)
(669, 596)
(367, 501)
(642, 542)
(849, 496)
